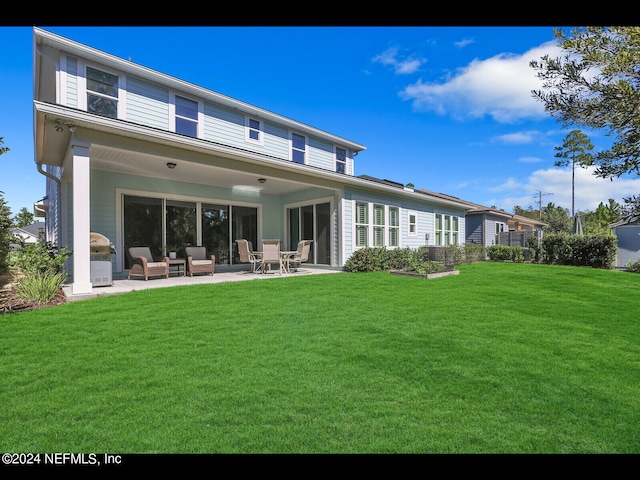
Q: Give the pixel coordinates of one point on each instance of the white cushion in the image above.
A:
(201, 262)
(156, 264)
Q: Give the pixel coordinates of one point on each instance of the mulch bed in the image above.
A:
(10, 302)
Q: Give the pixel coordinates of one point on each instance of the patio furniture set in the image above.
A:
(288, 261)
(142, 263)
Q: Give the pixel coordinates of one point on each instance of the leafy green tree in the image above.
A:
(5, 222)
(574, 152)
(596, 84)
(598, 221)
(556, 218)
(5, 232)
(23, 218)
(632, 206)
(528, 213)
(3, 149)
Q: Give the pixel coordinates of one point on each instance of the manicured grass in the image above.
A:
(503, 358)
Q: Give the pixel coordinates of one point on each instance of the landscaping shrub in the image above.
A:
(371, 259)
(597, 251)
(634, 266)
(41, 270)
(474, 253)
(40, 287)
(505, 253)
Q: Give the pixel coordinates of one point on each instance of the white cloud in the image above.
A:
(530, 160)
(555, 186)
(519, 138)
(499, 87)
(400, 66)
(464, 42)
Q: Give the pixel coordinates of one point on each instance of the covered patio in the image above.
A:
(221, 275)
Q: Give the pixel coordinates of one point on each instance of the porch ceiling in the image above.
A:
(143, 164)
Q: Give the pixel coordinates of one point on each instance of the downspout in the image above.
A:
(39, 166)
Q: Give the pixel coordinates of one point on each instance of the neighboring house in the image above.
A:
(628, 234)
(29, 233)
(144, 158)
(488, 226)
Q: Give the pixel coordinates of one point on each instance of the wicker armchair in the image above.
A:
(142, 264)
(198, 261)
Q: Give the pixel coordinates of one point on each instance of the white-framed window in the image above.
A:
(378, 225)
(500, 227)
(186, 116)
(102, 92)
(298, 148)
(412, 224)
(447, 229)
(341, 160)
(254, 131)
(394, 227)
(362, 224)
(373, 221)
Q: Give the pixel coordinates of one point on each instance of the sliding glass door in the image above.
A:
(311, 222)
(142, 225)
(163, 224)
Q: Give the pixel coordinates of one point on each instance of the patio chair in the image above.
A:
(198, 261)
(271, 255)
(301, 255)
(247, 255)
(142, 264)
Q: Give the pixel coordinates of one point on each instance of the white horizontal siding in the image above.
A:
(72, 82)
(223, 125)
(321, 154)
(147, 104)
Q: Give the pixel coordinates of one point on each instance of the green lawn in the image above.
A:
(503, 358)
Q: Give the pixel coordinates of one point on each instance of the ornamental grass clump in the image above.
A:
(40, 271)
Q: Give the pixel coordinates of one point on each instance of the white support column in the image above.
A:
(81, 222)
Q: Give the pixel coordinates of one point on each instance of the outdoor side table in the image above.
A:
(178, 262)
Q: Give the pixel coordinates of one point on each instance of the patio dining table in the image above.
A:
(285, 256)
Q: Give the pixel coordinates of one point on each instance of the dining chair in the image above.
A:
(300, 256)
(271, 255)
(247, 255)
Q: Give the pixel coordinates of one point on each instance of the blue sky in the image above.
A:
(448, 109)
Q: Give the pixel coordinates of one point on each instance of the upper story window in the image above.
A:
(298, 148)
(102, 93)
(253, 131)
(186, 116)
(341, 160)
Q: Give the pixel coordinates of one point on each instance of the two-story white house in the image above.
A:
(144, 158)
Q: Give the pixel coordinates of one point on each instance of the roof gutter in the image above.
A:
(40, 166)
